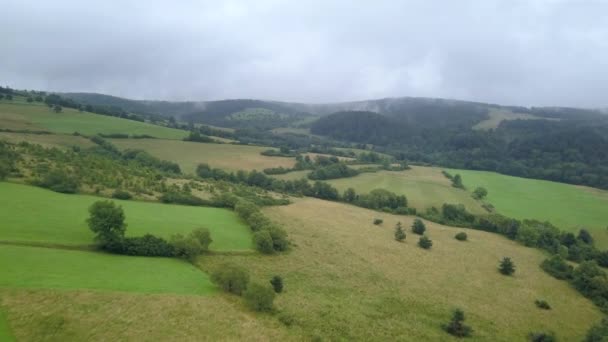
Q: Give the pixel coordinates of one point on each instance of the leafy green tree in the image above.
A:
(259, 297)
(245, 209)
(263, 241)
(57, 108)
(456, 326)
(186, 247)
(457, 182)
(506, 267)
(418, 227)
(480, 193)
(231, 278)
(557, 267)
(107, 221)
(462, 236)
(257, 221)
(425, 242)
(399, 232)
(277, 283)
(279, 238)
(585, 236)
(349, 195)
(203, 236)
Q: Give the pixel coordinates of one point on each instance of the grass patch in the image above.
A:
(189, 154)
(569, 207)
(347, 279)
(47, 140)
(35, 267)
(499, 115)
(39, 215)
(5, 329)
(36, 116)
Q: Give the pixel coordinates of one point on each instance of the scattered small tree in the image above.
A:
(378, 221)
(425, 242)
(542, 304)
(277, 284)
(186, 247)
(585, 236)
(457, 182)
(231, 278)
(456, 326)
(263, 241)
(259, 297)
(480, 193)
(462, 236)
(399, 232)
(506, 267)
(107, 221)
(418, 227)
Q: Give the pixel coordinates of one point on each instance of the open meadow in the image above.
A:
(569, 207)
(189, 154)
(38, 215)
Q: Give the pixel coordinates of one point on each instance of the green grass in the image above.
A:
(34, 267)
(31, 214)
(424, 187)
(5, 330)
(567, 206)
(189, 154)
(21, 115)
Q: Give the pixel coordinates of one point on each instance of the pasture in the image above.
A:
(47, 140)
(189, 154)
(349, 279)
(32, 214)
(24, 116)
(569, 207)
(37, 267)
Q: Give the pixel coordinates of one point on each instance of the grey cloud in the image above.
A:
(543, 52)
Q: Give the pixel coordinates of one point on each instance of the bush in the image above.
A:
(287, 319)
(277, 284)
(231, 278)
(399, 232)
(259, 297)
(598, 332)
(378, 221)
(59, 181)
(542, 304)
(506, 267)
(557, 267)
(456, 326)
(425, 242)
(263, 242)
(462, 236)
(279, 238)
(418, 227)
(147, 245)
(186, 247)
(107, 221)
(122, 195)
(541, 337)
(181, 198)
(203, 236)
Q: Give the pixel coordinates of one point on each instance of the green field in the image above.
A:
(23, 116)
(31, 214)
(33, 267)
(567, 206)
(424, 187)
(189, 154)
(5, 330)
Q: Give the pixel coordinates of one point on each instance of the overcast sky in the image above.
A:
(529, 52)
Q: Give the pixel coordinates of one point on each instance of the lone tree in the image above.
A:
(259, 297)
(399, 232)
(457, 182)
(418, 227)
(462, 236)
(107, 221)
(456, 326)
(506, 266)
(57, 108)
(480, 193)
(277, 284)
(585, 237)
(425, 242)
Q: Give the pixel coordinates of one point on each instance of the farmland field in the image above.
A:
(20, 115)
(567, 206)
(189, 154)
(48, 140)
(5, 330)
(349, 279)
(36, 267)
(424, 187)
(33, 214)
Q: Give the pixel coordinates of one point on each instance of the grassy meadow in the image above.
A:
(347, 279)
(47, 140)
(32, 214)
(424, 187)
(569, 207)
(20, 115)
(5, 330)
(189, 154)
(38, 267)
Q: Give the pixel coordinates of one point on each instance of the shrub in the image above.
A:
(186, 247)
(231, 278)
(418, 227)
(181, 198)
(598, 332)
(259, 297)
(541, 337)
(121, 194)
(480, 193)
(585, 237)
(279, 238)
(203, 236)
(557, 267)
(245, 209)
(147, 245)
(263, 241)
(107, 221)
(277, 284)
(542, 304)
(506, 267)
(425, 242)
(462, 236)
(456, 326)
(378, 221)
(257, 221)
(59, 181)
(399, 232)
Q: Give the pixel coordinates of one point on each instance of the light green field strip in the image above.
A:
(34, 267)
(31, 214)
